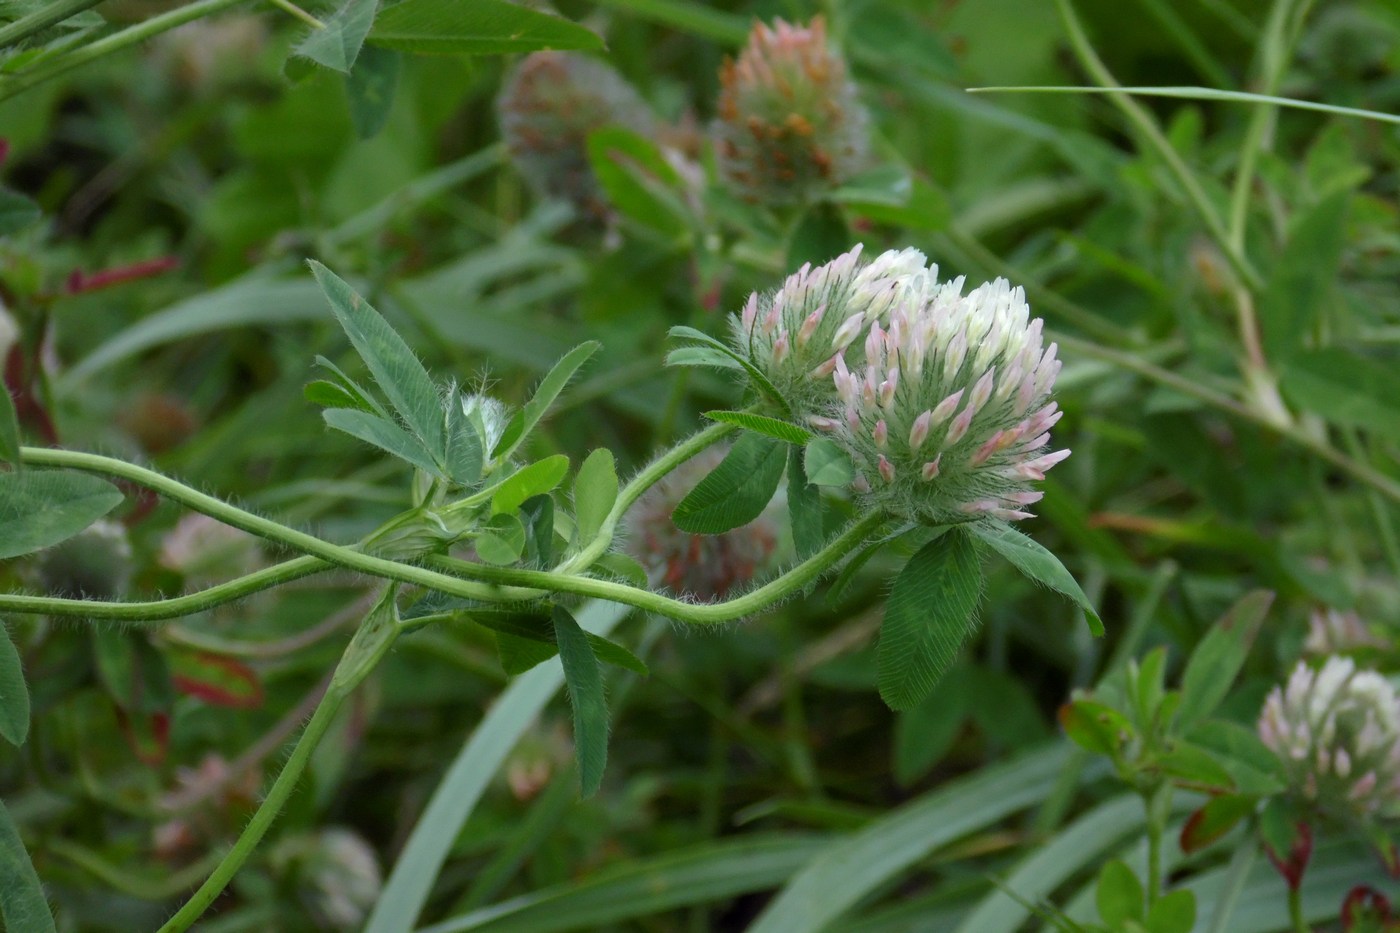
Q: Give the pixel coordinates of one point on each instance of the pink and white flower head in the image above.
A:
(941, 398)
(1337, 733)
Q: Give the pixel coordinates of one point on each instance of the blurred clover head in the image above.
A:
(548, 106)
(1336, 731)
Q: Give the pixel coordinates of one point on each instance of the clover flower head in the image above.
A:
(1337, 733)
(548, 106)
(941, 398)
(337, 873)
(790, 121)
(706, 567)
(1334, 631)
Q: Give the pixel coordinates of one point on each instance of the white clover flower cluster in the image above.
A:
(1337, 733)
(941, 398)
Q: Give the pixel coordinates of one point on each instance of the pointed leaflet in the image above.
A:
(550, 386)
(756, 376)
(41, 508)
(1037, 563)
(1219, 657)
(14, 696)
(338, 44)
(22, 902)
(761, 424)
(384, 434)
(464, 456)
(533, 480)
(585, 682)
(595, 493)
(531, 626)
(370, 88)
(804, 507)
(396, 370)
(735, 492)
(930, 612)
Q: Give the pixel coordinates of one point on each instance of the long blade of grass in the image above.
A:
(1201, 93)
(851, 869)
(701, 874)
(411, 881)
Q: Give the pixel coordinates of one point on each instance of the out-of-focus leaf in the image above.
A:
(1095, 726)
(17, 212)
(827, 464)
(1120, 896)
(217, 680)
(1218, 658)
(370, 89)
(638, 181)
(338, 44)
(1346, 388)
(41, 508)
(1213, 820)
(1301, 279)
(482, 27)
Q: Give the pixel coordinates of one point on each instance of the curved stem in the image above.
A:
(750, 603)
(650, 475)
(133, 35)
(162, 609)
(376, 635)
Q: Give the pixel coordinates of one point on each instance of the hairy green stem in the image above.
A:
(176, 606)
(494, 578)
(369, 646)
(790, 583)
(42, 19)
(297, 12)
(116, 42)
(1142, 119)
(650, 475)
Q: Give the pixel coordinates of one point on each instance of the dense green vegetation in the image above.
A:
(578, 589)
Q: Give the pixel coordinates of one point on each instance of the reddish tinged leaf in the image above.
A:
(1364, 903)
(148, 734)
(79, 281)
(215, 679)
(1287, 842)
(1095, 726)
(1214, 820)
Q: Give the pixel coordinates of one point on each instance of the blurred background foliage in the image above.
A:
(163, 314)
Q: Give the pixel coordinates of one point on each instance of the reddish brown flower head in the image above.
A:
(790, 123)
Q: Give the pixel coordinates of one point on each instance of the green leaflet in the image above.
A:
(1037, 563)
(584, 679)
(930, 612)
(735, 492)
(41, 508)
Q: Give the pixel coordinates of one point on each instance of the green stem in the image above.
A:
(1295, 910)
(790, 583)
(650, 475)
(161, 609)
(42, 19)
(369, 646)
(116, 42)
(1142, 119)
(549, 581)
(297, 12)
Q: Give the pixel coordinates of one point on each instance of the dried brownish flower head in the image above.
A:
(790, 122)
